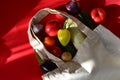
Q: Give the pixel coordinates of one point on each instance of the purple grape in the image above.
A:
(37, 28)
(73, 7)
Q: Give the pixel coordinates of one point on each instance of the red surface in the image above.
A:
(17, 60)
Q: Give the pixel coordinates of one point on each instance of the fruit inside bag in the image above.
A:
(88, 58)
(54, 38)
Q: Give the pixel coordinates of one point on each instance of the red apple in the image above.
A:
(52, 27)
(98, 15)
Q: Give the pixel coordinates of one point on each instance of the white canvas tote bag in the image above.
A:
(98, 57)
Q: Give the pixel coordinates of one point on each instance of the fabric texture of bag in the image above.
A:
(98, 57)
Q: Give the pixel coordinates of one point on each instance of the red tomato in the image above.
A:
(49, 41)
(98, 15)
(52, 28)
(55, 50)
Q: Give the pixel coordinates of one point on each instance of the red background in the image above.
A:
(17, 59)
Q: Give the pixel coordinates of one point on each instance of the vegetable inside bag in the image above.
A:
(98, 57)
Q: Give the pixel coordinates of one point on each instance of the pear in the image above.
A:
(63, 36)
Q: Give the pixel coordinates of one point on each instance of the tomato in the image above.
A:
(55, 50)
(52, 27)
(98, 15)
(49, 41)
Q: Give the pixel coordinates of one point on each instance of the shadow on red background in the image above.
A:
(21, 69)
(5, 53)
(88, 5)
(112, 21)
(13, 11)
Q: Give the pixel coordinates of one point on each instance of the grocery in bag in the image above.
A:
(99, 51)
